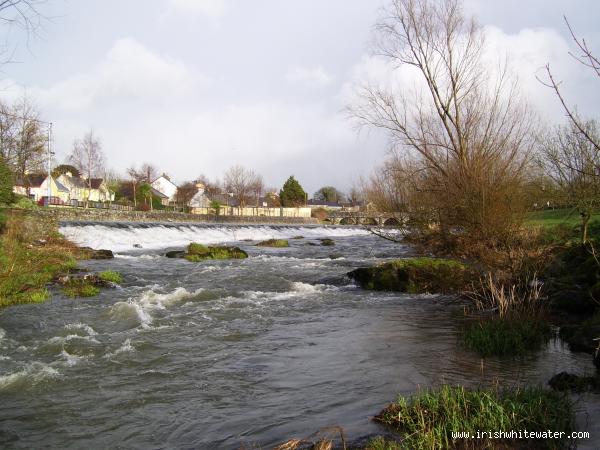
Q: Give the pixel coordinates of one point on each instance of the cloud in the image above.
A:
(526, 53)
(213, 9)
(128, 72)
(311, 77)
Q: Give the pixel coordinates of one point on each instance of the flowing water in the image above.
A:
(226, 354)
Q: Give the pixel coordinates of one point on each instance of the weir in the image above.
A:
(130, 236)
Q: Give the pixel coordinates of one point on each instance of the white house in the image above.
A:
(35, 186)
(199, 200)
(79, 189)
(165, 186)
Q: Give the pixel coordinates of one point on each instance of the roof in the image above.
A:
(96, 183)
(223, 199)
(166, 177)
(31, 180)
(157, 193)
(324, 203)
(60, 186)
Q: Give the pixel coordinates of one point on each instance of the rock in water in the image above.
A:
(416, 275)
(175, 254)
(98, 254)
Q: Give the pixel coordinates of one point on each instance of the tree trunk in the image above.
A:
(585, 219)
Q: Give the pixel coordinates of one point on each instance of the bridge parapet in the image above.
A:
(366, 218)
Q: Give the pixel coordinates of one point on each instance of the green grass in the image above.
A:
(111, 276)
(80, 288)
(553, 217)
(274, 243)
(428, 419)
(197, 249)
(380, 443)
(506, 336)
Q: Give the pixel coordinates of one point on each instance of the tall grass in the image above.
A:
(510, 319)
(428, 419)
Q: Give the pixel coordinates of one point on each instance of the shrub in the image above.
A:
(6, 183)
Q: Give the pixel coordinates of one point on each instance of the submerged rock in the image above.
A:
(274, 243)
(97, 254)
(327, 242)
(416, 275)
(565, 381)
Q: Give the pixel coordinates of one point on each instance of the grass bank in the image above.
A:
(32, 254)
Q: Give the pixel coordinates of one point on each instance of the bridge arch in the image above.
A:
(369, 221)
(391, 222)
(348, 221)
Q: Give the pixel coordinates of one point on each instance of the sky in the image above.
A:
(196, 86)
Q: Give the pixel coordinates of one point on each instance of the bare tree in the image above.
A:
(467, 132)
(23, 137)
(148, 172)
(185, 192)
(572, 160)
(587, 59)
(87, 156)
(242, 183)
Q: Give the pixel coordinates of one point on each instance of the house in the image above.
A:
(80, 190)
(164, 199)
(164, 185)
(200, 199)
(35, 186)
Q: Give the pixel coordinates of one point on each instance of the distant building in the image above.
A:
(35, 186)
(165, 186)
(80, 190)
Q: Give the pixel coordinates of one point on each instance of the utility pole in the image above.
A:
(50, 154)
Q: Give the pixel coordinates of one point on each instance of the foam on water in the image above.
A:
(121, 237)
(137, 310)
(126, 347)
(32, 374)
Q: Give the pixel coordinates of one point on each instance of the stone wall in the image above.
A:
(107, 215)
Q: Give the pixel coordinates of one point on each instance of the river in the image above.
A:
(225, 354)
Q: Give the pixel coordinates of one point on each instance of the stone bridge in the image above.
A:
(365, 218)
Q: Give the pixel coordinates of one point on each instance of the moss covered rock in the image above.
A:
(416, 275)
(274, 243)
(199, 252)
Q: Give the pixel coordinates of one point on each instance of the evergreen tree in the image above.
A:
(292, 194)
(6, 183)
